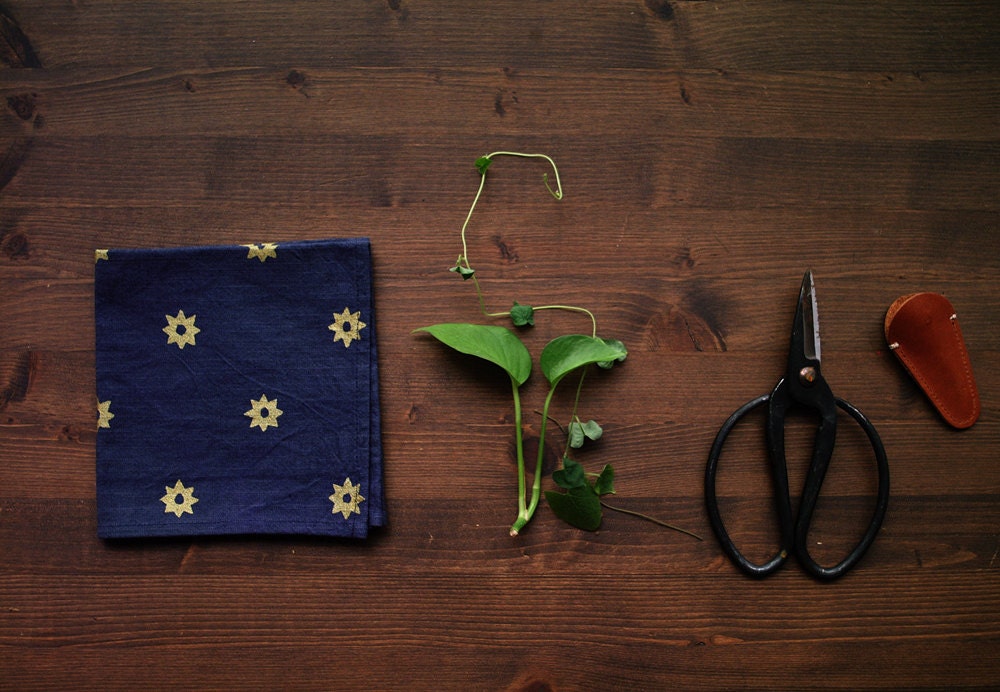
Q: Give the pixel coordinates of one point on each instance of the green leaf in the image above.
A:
(592, 430)
(522, 315)
(571, 475)
(498, 345)
(605, 483)
(482, 163)
(579, 506)
(579, 431)
(465, 272)
(564, 354)
(607, 364)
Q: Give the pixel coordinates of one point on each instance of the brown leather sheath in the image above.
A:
(922, 330)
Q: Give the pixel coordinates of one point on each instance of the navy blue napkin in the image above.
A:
(237, 391)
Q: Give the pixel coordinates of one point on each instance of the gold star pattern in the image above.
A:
(104, 414)
(178, 499)
(100, 254)
(347, 327)
(262, 251)
(263, 413)
(346, 498)
(180, 330)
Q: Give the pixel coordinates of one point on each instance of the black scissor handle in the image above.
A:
(712, 504)
(794, 543)
(881, 505)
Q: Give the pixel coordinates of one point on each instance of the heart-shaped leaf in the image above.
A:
(608, 364)
(578, 432)
(571, 475)
(498, 345)
(605, 483)
(564, 354)
(578, 506)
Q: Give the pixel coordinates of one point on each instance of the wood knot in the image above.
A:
(661, 9)
(17, 370)
(680, 330)
(531, 681)
(399, 8)
(14, 246)
(684, 259)
(15, 48)
(17, 152)
(536, 686)
(298, 81)
(503, 100)
(23, 105)
(70, 433)
(507, 252)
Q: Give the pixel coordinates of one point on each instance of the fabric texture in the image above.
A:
(237, 391)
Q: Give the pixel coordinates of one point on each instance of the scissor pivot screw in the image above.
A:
(807, 375)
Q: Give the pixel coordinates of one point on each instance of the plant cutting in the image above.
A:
(570, 354)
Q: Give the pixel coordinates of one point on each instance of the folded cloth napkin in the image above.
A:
(237, 391)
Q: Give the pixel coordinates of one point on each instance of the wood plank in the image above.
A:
(399, 101)
(710, 660)
(417, 243)
(925, 536)
(774, 36)
(378, 171)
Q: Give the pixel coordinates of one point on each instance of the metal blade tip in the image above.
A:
(810, 317)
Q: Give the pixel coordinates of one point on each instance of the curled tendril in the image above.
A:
(464, 268)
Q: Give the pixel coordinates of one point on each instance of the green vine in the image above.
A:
(521, 315)
(581, 503)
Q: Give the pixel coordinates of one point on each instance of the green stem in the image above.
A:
(576, 403)
(573, 308)
(482, 300)
(506, 313)
(518, 434)
(649, 518)
(557, 423)
(536, 486)
(557, 193)
(475, 200)
(464, 259)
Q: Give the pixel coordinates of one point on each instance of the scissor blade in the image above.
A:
(810, 318)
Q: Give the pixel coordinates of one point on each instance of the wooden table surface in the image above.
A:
(710, 153)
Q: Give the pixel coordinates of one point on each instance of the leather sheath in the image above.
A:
(922, 330)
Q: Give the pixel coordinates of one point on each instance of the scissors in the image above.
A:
(802, 386)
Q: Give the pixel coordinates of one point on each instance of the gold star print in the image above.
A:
(346, 498)
(178, 499)
(180, 330)
(104, 414)
(262, 251)
(100, 254)
(263, 413)
(347, 326)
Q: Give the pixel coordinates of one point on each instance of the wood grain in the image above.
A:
(710, 153)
